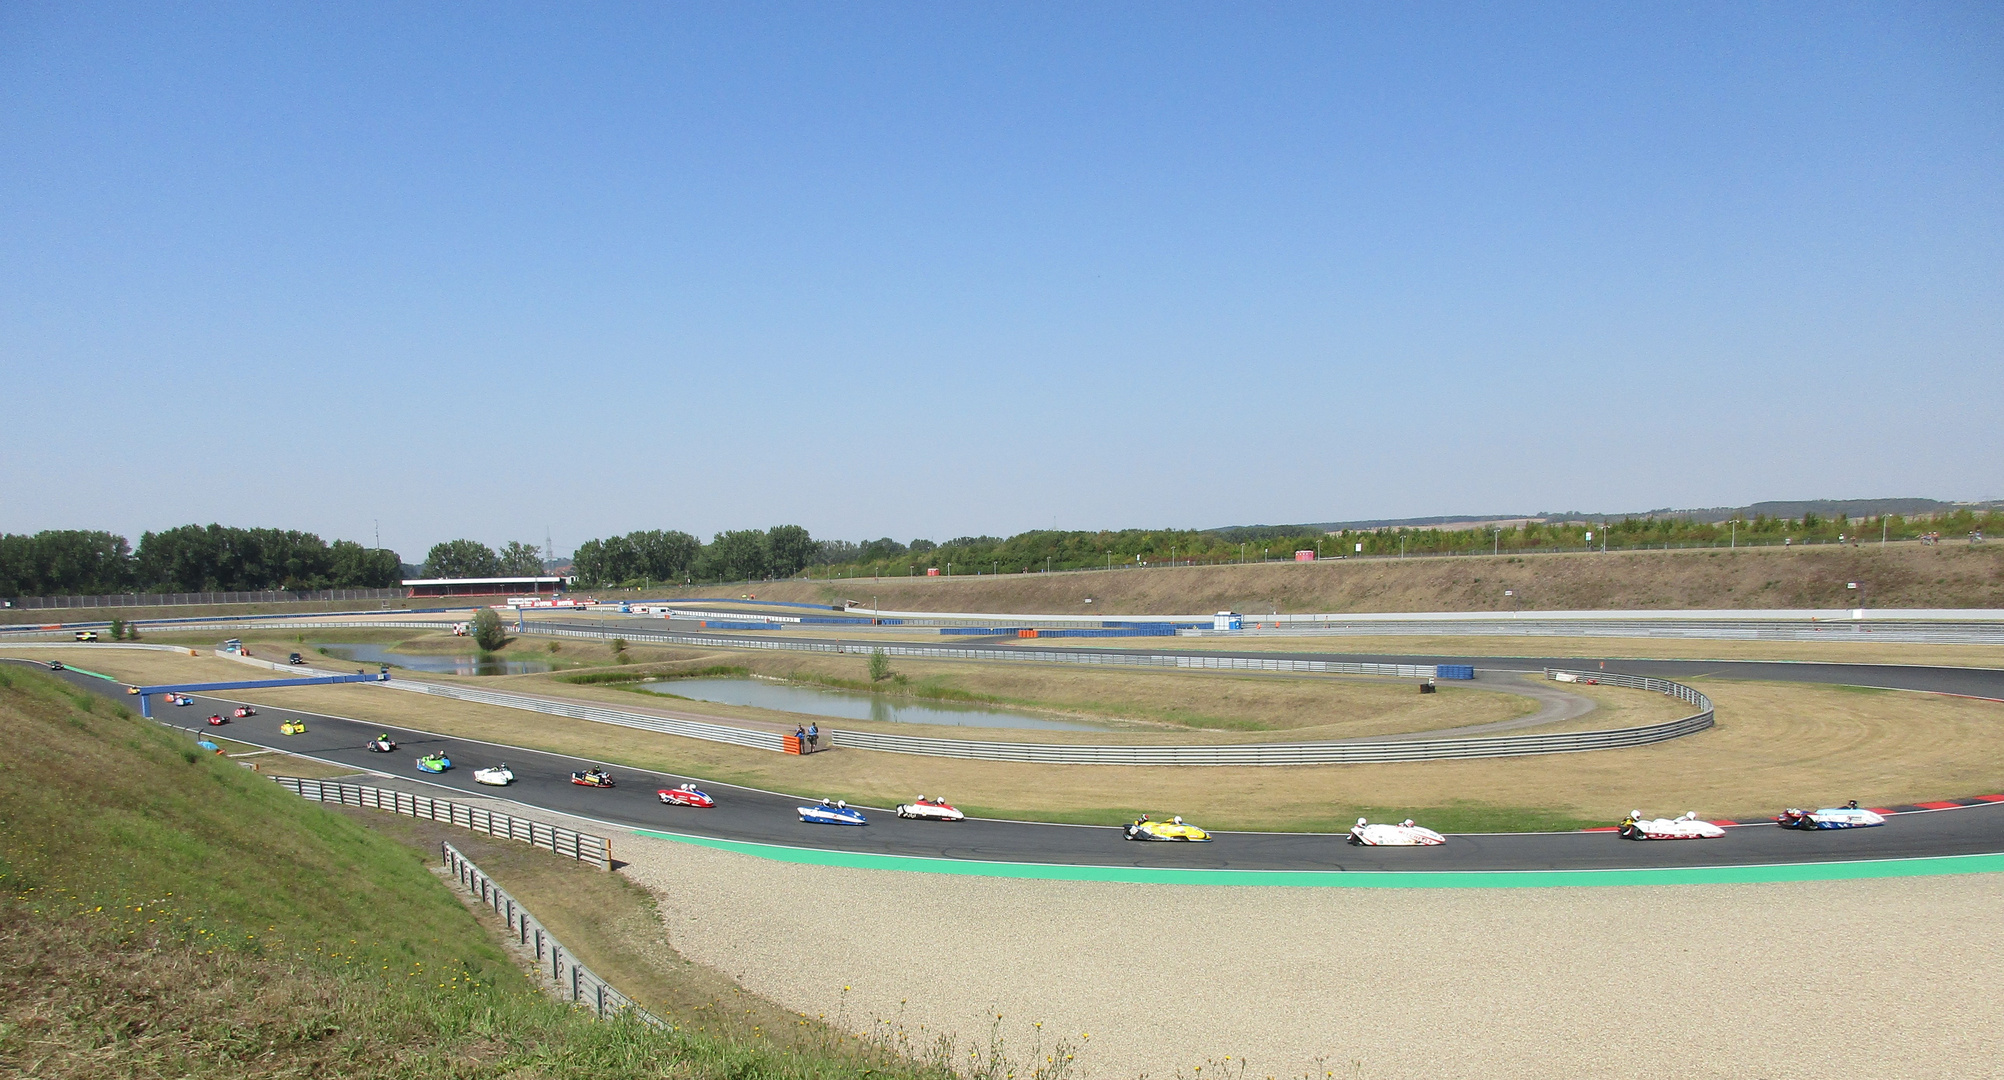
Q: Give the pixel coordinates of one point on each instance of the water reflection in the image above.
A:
(434, 662)
(848, 705)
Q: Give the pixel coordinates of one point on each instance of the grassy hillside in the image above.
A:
(1900, 575)
(165, 913)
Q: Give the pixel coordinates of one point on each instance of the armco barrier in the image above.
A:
(1327, 753)
(578, 983)
(584, 847)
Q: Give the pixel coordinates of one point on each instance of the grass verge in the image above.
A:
(164, 912)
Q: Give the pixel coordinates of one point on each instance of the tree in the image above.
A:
(462, 559)
(877, 550)
(521, 560)
(880, 666)
(663, 555)
(738, 555)
(836, 552)
(788, 547)
(489, 633)
(59, 562)
(352, 566)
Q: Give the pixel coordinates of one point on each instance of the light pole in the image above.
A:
(1734, 544)
(1498, 549)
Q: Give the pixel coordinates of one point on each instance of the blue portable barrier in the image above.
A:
(1454, 671)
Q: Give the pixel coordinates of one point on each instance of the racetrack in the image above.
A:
(760, 817)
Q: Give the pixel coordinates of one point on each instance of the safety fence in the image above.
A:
(1324, 753)
(267, 596)
(576, 981)
(584, 847)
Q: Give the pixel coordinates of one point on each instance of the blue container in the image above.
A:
(1454, 671)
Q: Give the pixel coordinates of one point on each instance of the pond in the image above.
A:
(851, 705)
(444, 664)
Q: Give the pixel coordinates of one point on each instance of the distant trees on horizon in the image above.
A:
(190, 558)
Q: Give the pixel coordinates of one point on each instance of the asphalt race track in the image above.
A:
(745, 814)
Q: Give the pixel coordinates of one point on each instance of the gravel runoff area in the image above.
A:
(1881, 978)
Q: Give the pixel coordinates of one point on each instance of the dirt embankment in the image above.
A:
(1897, 576)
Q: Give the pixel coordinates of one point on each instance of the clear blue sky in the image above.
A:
(935, 270)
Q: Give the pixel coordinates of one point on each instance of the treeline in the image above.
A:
(1041, 549)
(191, 558)
(473, 559)
(646, 557)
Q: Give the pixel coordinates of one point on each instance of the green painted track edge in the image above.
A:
(1363, 879)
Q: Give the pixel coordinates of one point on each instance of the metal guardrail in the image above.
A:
(1324, 753)
(579, 983)
(692, 729)
(584, 847)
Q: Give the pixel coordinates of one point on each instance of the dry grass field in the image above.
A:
(1833, 652)
(1901, 575)
(1775, 744)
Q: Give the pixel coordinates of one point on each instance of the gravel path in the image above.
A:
(1885, 978)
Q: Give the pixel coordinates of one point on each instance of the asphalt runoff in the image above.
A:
(761, 817)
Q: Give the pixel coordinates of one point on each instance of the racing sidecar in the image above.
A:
(217, 720)
(835, 813)
(592, 778)
(242, 711)
(930, 810)
(434, 763)
(1688, 827)
(685, 795)
(1404, 834)
(1173, 829)
(1849, 816)
(383, 745)
(292, 727)
(499, 776)
(179, 699)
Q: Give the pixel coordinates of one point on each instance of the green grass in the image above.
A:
(166, 912)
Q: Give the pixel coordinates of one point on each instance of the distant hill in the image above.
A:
(1826, 508)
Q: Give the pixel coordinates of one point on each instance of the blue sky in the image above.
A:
(935, 270)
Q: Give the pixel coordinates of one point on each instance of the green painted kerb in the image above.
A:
(1364, 879)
